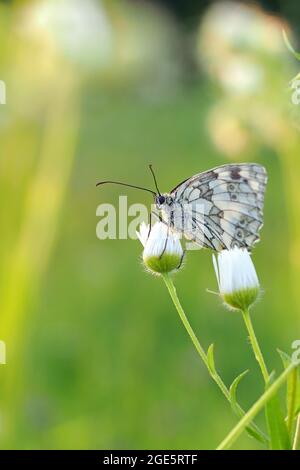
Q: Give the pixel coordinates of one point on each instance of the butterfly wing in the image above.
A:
(223, 207)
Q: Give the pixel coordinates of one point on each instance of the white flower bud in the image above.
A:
(237, 278)
(163, 252)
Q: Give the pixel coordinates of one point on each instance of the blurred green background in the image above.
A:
(96, 354)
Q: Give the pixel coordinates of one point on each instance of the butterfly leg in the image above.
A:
(158, 217)
(152, 216)
(181, 259)
(150, 224)
(165, 244)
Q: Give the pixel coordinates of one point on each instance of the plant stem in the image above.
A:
(255, 346)
(296, 443)
(186, 323)
(215, 376)
(258, 405)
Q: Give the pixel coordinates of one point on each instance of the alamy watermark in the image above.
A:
(123, 222)
(2, 92)
(115, 224)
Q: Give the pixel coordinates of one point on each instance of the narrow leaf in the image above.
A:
(276, 424)
(234, 404)
(254, 410)
(286, 360)
(251, 429)
(234, 385)
(211, 360)
(292, 392)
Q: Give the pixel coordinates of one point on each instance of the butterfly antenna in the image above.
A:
(127, 185)
(155, 181)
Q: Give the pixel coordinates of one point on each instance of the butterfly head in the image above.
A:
(163, 200)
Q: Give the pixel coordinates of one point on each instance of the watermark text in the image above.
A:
(123, 222)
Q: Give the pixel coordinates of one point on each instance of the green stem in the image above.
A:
(189, 329)
(250, 415)
(292, 403)
(255, 346)
(296, 443)
(215, 376)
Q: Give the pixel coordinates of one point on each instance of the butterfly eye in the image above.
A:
(161, 199)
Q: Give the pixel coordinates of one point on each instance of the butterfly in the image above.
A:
(221, 208)
(218, 209)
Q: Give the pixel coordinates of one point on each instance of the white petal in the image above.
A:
(143, 233)
(235, 271)
(161, 240)
(216, 268)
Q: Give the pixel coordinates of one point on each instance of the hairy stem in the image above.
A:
(255, 346)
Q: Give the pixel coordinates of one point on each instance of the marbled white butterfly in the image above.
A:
(218, 209)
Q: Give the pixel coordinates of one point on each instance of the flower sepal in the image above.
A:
(241, 299)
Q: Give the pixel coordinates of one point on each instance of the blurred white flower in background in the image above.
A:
(79, 30)
(241, 76)
(109, 44)
(57, 44)
(242, 50)
(119, 41)
(239, 25)
(232, 40)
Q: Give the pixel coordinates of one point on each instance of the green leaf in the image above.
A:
(286, 360)
(252, 430)
(235, 406)
(292, 392)
(234, 385)
(255, 409)
(278, 432)
(289, 45)
(211, 360)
